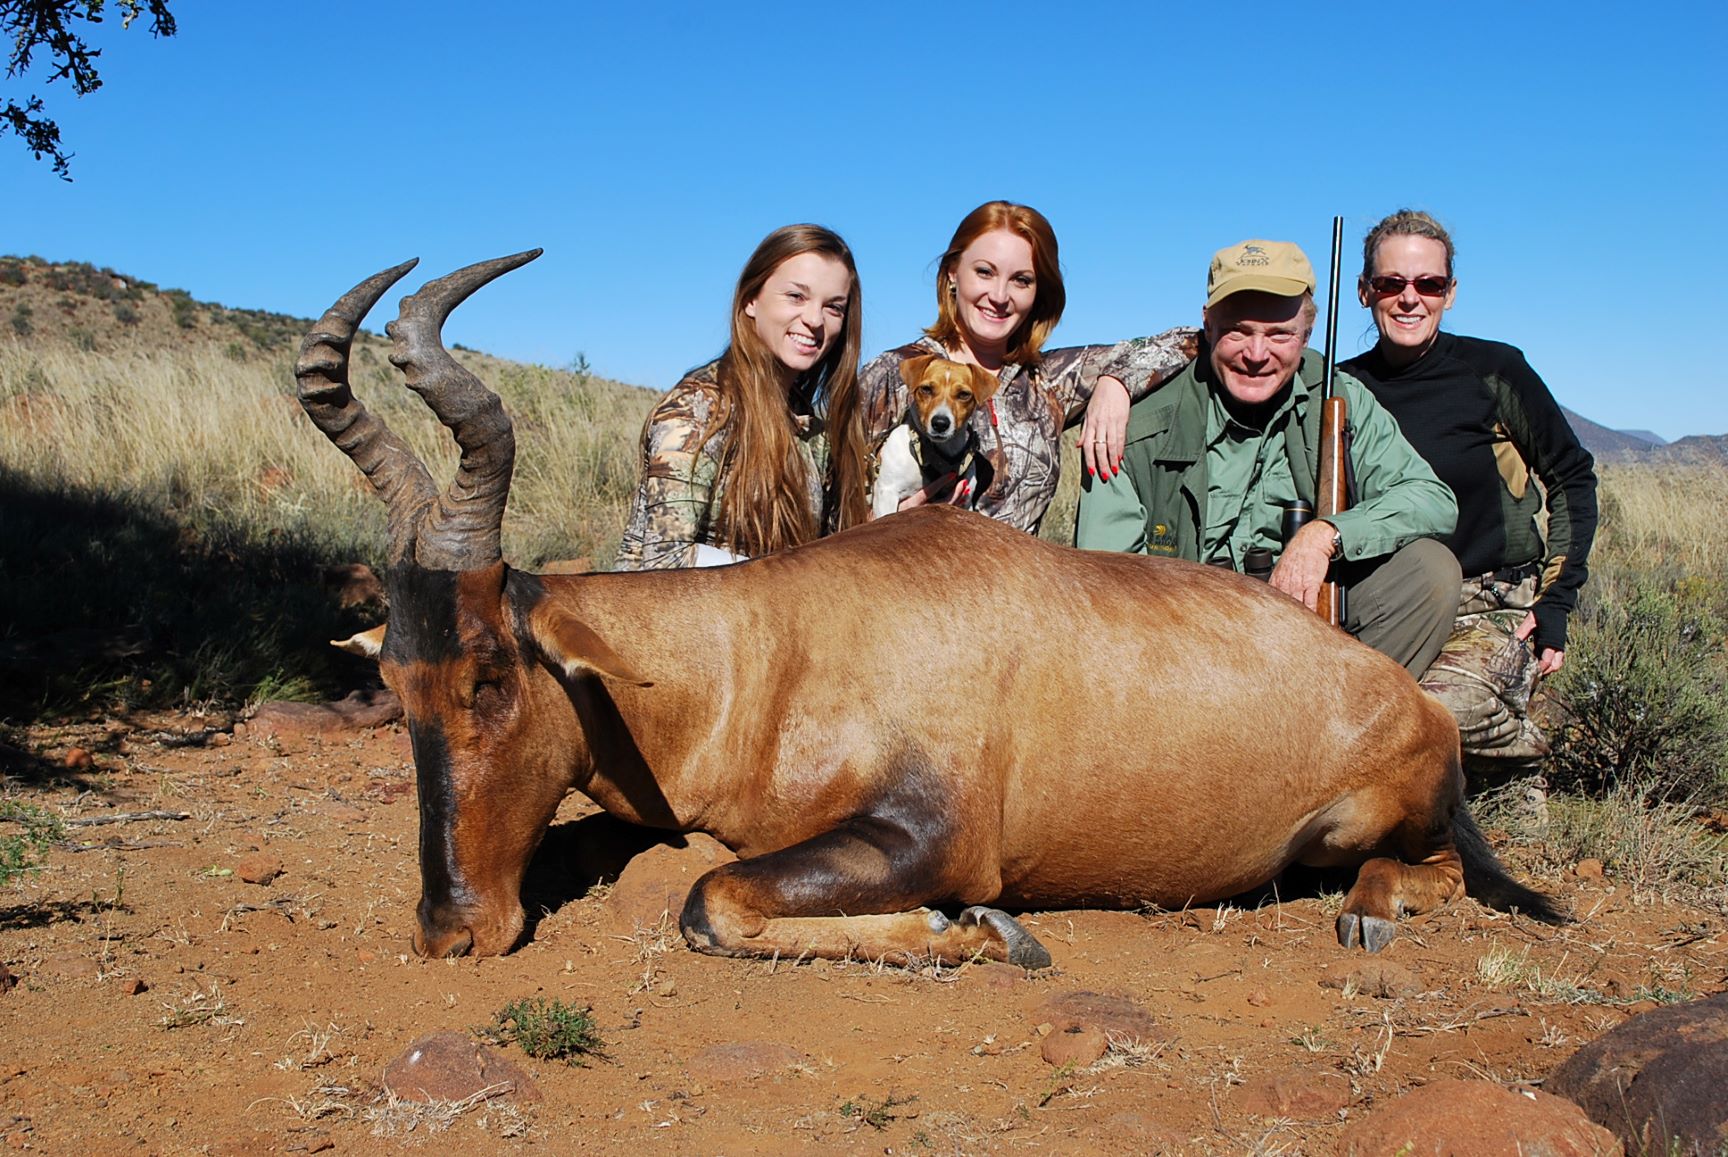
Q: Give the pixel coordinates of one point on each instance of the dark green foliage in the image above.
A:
(125, 313)
(12, 271)
(26, 832)
(546, 1030)
(58, 27)
(1645, 692)
(181, 306)
(21, 314)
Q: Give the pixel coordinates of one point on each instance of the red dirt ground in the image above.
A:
(288, 1000)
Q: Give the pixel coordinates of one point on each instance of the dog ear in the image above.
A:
(984, 383)
(913, 368)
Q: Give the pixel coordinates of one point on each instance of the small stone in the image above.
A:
(365, 956)
(1480, 1118)
(258, 868)
(1258, 998)
(1379, 978)
(1300, 1093)
(78, 759)
(220, 739)
(1077, 1045)
(7, 981)
(448, 1066)
(1588, 869)
(132, 986)
(345, 814)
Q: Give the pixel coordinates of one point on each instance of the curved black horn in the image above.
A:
(463, 531)
(321, 372)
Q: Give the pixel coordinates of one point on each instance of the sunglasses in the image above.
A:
(1391, 285)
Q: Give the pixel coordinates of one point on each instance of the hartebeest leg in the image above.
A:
(1387, 888)
(855, 891)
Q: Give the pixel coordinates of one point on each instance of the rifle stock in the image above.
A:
(1332, 494)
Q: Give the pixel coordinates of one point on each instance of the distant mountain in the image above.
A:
(1607, 445)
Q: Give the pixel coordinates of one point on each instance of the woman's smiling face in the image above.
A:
(994, 287)
(801, 310)
(1408, 320)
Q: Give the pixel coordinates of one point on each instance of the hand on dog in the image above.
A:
(1105, 431)
(957, 496)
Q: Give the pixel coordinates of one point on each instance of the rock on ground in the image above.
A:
(1452, 1118)
(449, 1066)
(1658, 1080)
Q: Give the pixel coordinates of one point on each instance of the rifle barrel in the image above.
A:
(1332, 306)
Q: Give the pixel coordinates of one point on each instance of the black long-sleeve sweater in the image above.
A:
(1486, 422)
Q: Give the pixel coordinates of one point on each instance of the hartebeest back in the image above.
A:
(929, 710)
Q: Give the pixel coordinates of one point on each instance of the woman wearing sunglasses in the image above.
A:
(1488, 425)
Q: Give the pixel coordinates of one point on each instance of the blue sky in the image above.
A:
(270, 155)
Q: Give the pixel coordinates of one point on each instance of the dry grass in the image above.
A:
(197, 435)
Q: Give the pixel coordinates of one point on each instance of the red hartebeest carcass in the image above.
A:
(929, 711)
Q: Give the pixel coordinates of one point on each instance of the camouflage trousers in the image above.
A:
(1485, 674)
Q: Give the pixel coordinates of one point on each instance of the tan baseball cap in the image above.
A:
(1278, 267)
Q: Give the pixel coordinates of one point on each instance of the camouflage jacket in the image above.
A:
(677, 500)
(1020, 430)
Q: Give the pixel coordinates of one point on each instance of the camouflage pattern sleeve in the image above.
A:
(1145, 363)
(671, 513)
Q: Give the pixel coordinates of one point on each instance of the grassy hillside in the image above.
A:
(166, 509)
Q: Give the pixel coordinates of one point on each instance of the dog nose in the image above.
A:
(940, 424)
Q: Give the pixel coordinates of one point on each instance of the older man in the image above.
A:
(1213, 457)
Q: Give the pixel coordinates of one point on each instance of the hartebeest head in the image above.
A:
(472, 649)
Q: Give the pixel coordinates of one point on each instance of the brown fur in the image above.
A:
(769, 703)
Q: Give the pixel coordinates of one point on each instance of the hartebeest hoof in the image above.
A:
(1371, 932)
(1023, 947)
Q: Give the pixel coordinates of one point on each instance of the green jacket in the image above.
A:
(1157, 503)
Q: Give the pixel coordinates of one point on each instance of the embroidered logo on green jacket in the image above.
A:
(1160, 539)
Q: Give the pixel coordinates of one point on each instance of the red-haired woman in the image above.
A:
(761, 449)
(998, 295)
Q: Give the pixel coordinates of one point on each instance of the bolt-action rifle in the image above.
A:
(1334, 485)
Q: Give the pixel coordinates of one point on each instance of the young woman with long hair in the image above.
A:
(760, 449)
(999, 293)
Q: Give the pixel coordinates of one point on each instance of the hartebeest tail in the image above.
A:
(781, 705)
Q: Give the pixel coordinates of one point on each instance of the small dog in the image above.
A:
(935, 439)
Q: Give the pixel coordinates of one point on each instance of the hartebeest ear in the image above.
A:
(574, 647)
(913, 368)
(366, 644)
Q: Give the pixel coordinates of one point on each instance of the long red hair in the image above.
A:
(764, 504)
(1025, 343)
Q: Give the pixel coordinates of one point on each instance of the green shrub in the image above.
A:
(21, 314)
(125, 313)
(545, 1030)
(1643, 692)
(22, 851)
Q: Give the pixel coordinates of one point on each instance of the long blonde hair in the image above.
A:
(1025, 343)
(764, 504)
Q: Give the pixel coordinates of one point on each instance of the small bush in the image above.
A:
(125, 313)
(1643, 693)
(545, 1030)
(82, 338)
(12, 272)
(21, 314)
(181, 306)
(22, 852)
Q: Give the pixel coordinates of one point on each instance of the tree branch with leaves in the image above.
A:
(58, 28)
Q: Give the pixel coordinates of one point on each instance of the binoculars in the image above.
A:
(1257, 560)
